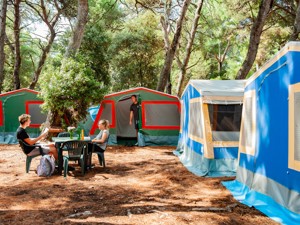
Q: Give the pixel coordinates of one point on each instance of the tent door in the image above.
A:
(125, 133)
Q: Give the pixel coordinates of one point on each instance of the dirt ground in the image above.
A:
(145, 185)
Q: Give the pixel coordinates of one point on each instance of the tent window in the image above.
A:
(165, 114)
(297, 126)
(248, 127)
(225, 117)
(294, 127)
(37, 117)
(182, 118)
(195, 122)
(107, 111)
(1, 114)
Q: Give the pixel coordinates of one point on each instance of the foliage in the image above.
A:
(29, 54)
(123, 45)
(71, 89)
(97, 39)
(135, 53)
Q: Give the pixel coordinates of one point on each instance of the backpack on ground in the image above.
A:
(46, 167)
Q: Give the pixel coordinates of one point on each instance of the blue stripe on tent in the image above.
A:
(247, 161)
(226, 152)
(263, 203)
(195, 146)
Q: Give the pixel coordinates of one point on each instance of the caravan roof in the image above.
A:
(219, 87)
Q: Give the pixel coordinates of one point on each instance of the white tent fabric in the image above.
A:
(210, 125)
(219, 87)
(220, 91)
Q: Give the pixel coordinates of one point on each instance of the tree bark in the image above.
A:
(2, 40)
(17, 64)
(169, 57)
(221, 57)
(184, 65)
(255, 34)
(296, 30)
(82, 18)
(42, 61)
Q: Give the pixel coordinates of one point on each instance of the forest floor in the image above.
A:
(145, 185)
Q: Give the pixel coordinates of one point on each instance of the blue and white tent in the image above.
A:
(210, 124)
(268, 174)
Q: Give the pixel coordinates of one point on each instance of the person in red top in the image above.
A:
(25, 121)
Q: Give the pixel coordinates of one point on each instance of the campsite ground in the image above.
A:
(145, 185)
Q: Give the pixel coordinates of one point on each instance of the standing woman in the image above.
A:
(101, 139)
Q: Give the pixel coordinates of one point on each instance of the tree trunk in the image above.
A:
(2, 40)
(53, 117)
(221, 57)
(42, 61)
(188, 50)
(255, 35)
(82, 18)
(169, 57)
(296, 30)
(17, 64)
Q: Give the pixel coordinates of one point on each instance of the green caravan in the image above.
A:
(159, 117)
(15, 103)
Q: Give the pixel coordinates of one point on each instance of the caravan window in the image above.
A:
(182, 118)
(248, 127)
(225, 121)
(161, 115)
(225, 117)
(297, 126)
(294, 127)
(195, 120)
(37, 117)
(107, 112)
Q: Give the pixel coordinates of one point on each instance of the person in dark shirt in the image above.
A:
(25, 121)
(134, 113)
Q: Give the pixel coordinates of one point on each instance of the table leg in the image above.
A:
(60, 158)
(89, 156)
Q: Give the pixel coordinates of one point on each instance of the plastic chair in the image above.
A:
(29, 158)
(101, 158)
(76, 152)
(100, 155)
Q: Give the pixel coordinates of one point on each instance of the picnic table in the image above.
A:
(58, 141)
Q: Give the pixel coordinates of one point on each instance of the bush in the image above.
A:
(70, 90)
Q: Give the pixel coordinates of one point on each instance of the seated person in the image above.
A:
(25, 121)
(99, 143)
(101, 139)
